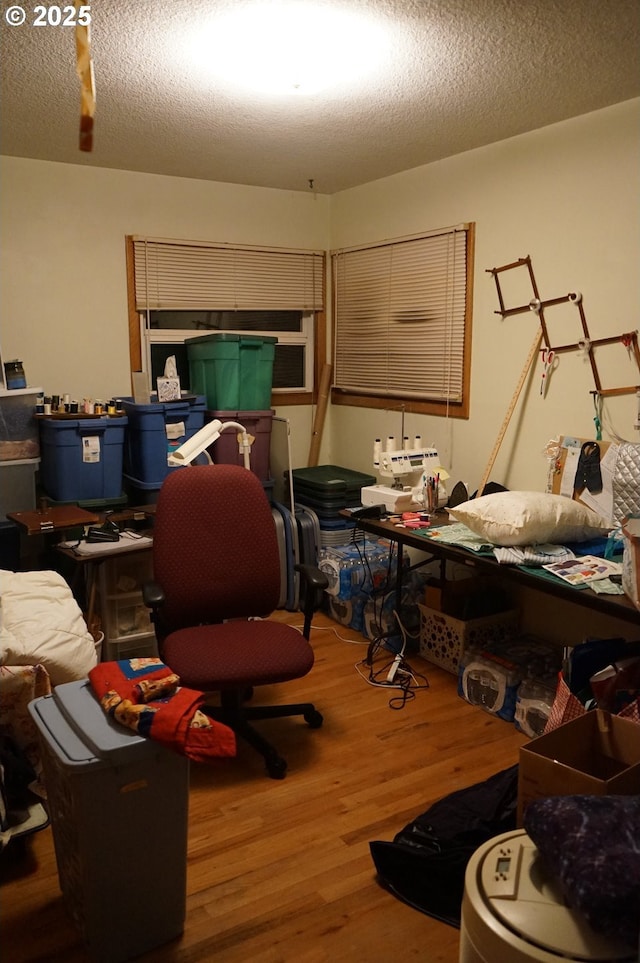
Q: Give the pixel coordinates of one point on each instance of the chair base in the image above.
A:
(234, 714)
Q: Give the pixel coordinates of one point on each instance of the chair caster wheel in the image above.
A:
(314, 719)
(277, 767)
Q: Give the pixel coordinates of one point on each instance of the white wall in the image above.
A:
(568, 196)
(62, 272)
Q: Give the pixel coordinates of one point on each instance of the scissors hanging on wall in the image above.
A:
(549, 362)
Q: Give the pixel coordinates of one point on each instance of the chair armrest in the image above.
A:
(314, 583)
(152, 595)
(313, 576)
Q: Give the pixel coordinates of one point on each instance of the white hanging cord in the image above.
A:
(611, 431)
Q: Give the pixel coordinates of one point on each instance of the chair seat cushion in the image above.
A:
(236, 654)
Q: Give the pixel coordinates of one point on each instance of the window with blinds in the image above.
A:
(188, 275)
(402, 317)
(181, 289)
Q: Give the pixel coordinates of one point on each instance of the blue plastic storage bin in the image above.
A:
(146, 493)
(139, 492)
(154, 431)
(82, 458)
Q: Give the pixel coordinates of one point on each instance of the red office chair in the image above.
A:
(216, 566)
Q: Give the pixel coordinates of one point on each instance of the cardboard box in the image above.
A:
(433, 594)
(595, 755)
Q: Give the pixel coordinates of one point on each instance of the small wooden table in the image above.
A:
(55, 519)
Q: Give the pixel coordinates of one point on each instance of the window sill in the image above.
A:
(410, 406)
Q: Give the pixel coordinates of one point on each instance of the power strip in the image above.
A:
(395, 665)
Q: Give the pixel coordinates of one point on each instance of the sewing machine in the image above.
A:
(417, 477)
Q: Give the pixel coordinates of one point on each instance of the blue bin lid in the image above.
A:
(78, 423)
(186, 400)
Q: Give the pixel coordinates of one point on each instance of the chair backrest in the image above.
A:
(215, 549)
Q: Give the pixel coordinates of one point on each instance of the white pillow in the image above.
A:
(529, 518)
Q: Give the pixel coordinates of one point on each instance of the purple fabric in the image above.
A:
(591, 845)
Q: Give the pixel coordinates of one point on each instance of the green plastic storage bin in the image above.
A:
(232, 371)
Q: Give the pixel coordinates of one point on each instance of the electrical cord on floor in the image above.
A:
(330, 628)
(395, 673)
(406, 682)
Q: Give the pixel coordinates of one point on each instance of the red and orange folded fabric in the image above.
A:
(145, 695)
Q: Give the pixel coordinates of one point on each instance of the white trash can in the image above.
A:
(514, 912)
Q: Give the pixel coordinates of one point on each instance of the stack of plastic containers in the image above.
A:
(234, 372)
(128, 632)
(154, 431)
(19, 461)
(328, 489)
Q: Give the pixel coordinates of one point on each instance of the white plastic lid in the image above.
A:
(517, 887)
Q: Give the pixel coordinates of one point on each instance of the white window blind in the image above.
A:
(401, 317)
(191, 275)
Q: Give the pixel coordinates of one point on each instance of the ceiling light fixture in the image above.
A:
(295, 47)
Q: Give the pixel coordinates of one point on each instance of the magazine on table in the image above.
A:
(588, 568)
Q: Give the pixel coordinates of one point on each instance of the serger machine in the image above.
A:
(418, 478)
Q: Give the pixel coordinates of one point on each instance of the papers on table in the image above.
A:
(588, 568)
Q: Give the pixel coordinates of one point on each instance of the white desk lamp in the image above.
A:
(204, 438)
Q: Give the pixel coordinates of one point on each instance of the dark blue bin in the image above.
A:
(154, 431)
(139, 492)
(81, 458)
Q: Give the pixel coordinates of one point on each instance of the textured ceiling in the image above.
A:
(463, 73)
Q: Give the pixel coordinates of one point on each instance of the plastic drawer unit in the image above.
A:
(118, 806)
(128, 632)
(19, 438)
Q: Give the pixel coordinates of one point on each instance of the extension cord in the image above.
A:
(395, 665)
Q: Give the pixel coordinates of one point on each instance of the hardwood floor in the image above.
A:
(280, 871)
